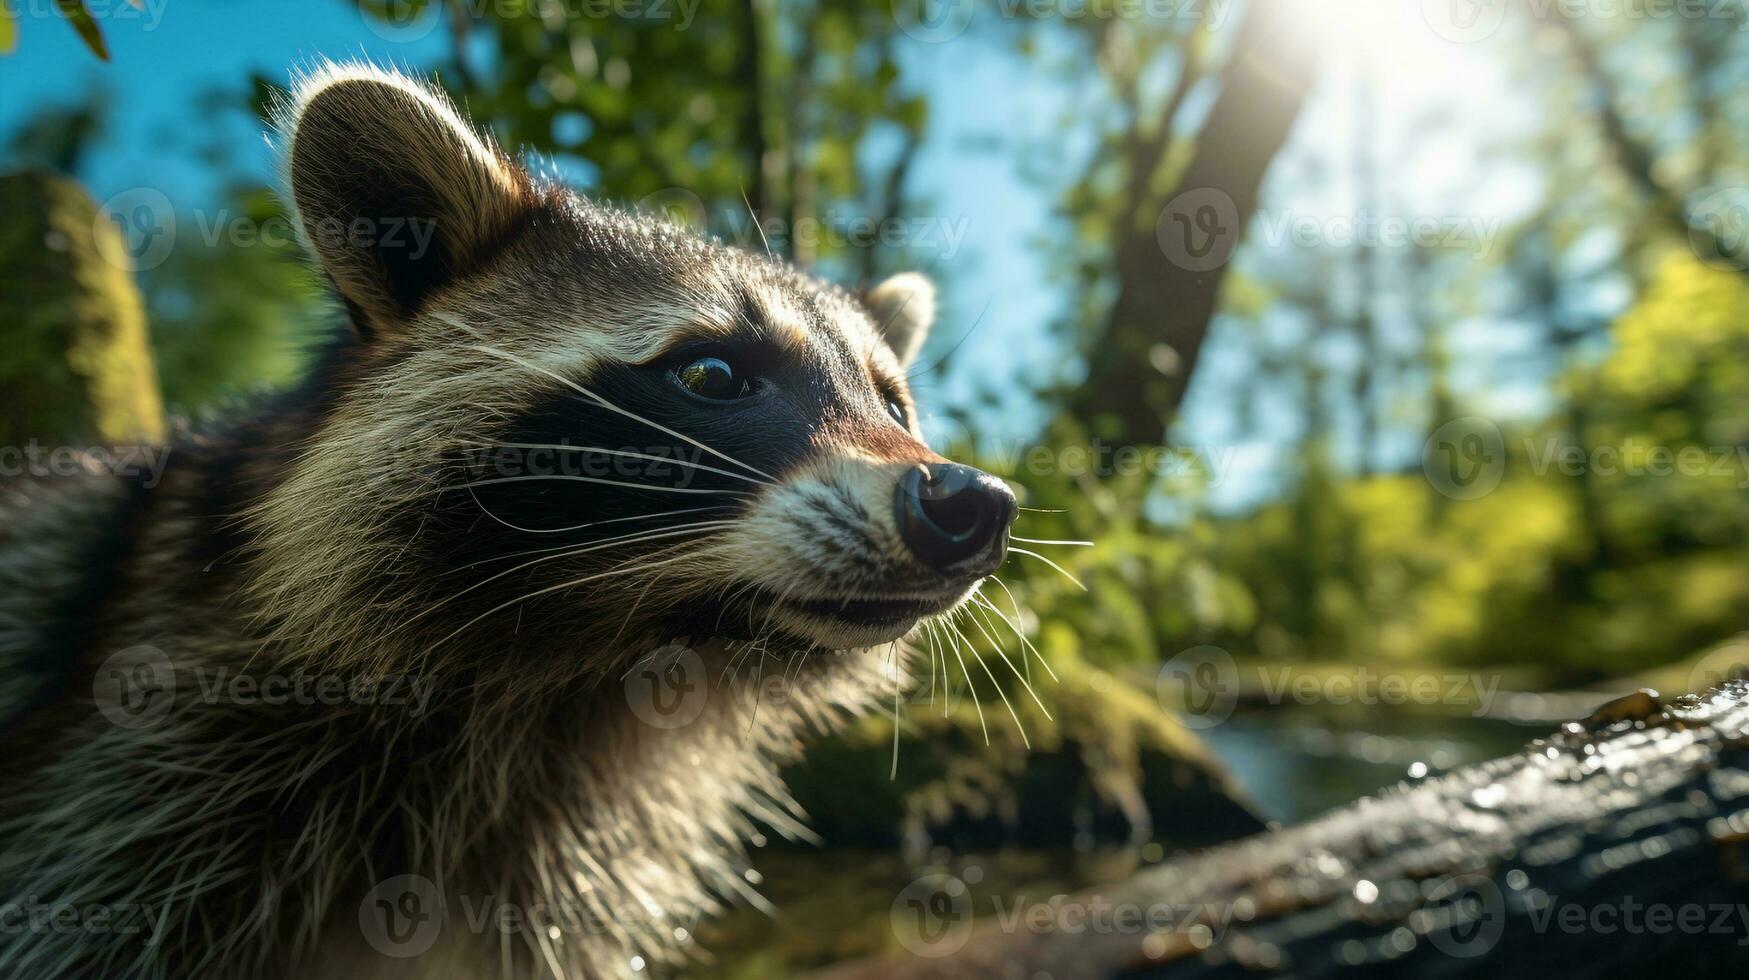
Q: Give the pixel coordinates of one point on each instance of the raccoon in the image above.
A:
(381, 679)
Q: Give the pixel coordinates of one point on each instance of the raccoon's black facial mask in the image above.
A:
(598, 471)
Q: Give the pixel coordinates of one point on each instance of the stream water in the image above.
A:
(1294, 763)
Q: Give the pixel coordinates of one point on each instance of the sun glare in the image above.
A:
(1410, 51)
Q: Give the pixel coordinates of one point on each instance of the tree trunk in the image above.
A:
(1169, 274)
(77, 362)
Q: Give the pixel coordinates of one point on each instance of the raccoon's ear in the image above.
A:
(903, 308)
(395, 193)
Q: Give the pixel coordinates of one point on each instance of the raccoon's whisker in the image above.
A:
(999, 693)
(757, 224)
(1015, 625)
(1043, 510)
(929, 631)
(893, 658)
(988, 635)
(604, 403)
(632, 538)
(641, 661)
(959, 639)
(979, 597)
(635, 485)
(758, 694)
(909, 378)
(629, 454)
(1059, 568)
(555, 588)
(629, 539)
(627, 621)
(777, 604)
(727, 600)
(579, 527)
(1075, 544)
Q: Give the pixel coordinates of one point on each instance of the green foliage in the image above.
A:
(74, 12)
(236, 306)
(1578, 571)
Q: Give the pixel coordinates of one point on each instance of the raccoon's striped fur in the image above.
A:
(467, 747)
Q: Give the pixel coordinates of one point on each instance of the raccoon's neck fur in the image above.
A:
(247, 838)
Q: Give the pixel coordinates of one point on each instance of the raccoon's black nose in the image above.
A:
(954, 518)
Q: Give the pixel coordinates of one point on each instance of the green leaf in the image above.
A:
(82, 21)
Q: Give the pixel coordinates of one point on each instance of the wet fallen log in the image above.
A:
(1611, 847)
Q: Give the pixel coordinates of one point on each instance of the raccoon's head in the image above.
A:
(558, 420)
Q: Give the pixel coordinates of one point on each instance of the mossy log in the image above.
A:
(76, 365)
(1612, 848)
(1104, 767)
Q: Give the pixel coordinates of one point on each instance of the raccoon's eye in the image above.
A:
(896, 409)
(713, 378)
